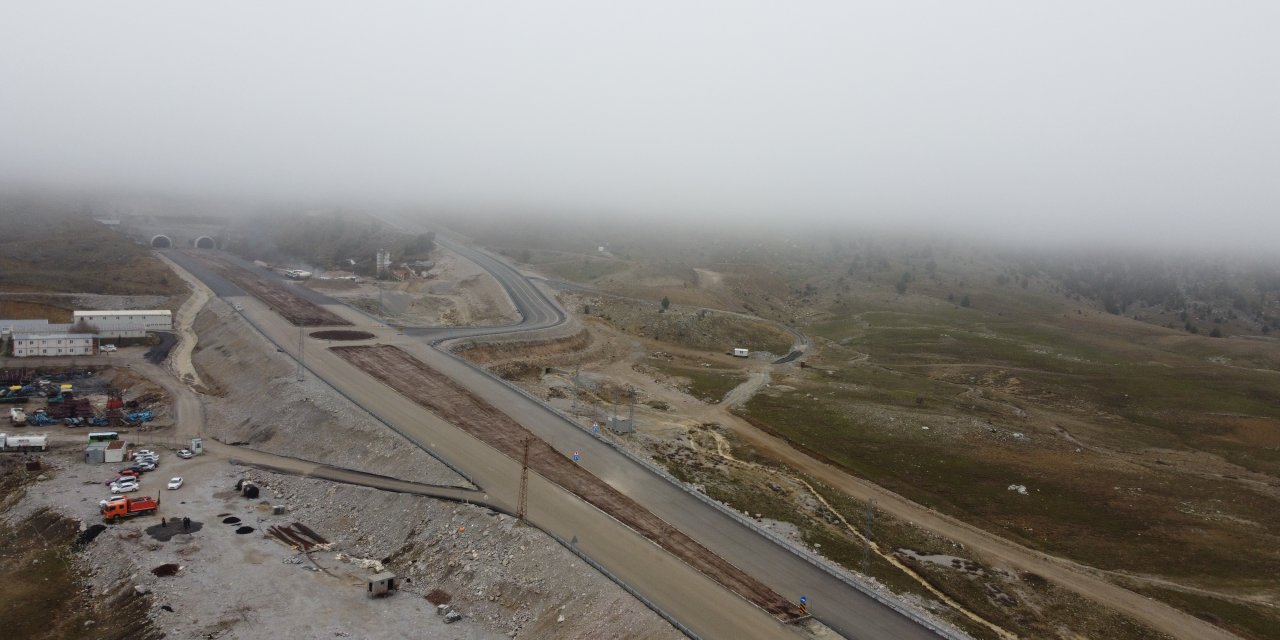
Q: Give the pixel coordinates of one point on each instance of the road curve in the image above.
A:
(834, 602)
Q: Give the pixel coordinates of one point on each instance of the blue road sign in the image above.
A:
(595, 428)
(576, 456)
(804, 600)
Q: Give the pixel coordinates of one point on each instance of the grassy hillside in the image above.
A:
(52, 248)
(1134, 396)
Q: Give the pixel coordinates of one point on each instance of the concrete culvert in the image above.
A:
(244, 530)
(231, 520)
(161, 242)
(205, 242)
(342, 334)
(165, 570)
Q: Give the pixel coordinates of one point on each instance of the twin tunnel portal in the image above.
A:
(162, 241)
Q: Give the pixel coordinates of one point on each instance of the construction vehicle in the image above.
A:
(117, 510)
(23, 443)
(17, 416)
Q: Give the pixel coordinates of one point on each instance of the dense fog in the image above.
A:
(1133, 122)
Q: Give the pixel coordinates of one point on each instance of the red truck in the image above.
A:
(118, 510)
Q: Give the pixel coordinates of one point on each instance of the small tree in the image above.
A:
(666, 303)
(964, 302)
(1216, 333)
(901, 287)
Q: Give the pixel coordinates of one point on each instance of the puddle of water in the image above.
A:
(231, 520)
(244, 530)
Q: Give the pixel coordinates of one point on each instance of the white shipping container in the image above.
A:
(741, 353)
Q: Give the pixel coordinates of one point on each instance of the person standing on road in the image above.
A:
(186, 523)
(163, 523)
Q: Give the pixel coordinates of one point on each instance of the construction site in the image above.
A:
(602, 458)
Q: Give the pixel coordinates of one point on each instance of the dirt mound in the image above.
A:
(342, 334)
(438, 597)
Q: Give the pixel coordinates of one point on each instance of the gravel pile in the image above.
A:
(506, 576)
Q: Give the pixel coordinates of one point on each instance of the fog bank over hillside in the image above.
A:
(1144, 122)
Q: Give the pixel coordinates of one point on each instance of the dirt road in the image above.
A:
(1079, 578)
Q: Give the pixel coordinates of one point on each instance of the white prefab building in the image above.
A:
(29, 345)
(152, 320)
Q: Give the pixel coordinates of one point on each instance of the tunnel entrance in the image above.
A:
(161, 242)
(205, 242)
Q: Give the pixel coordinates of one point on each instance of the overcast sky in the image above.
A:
(1037, 118)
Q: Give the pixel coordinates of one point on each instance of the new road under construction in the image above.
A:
(704, 568)
(450, 401)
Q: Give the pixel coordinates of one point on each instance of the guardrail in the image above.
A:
(816, 560)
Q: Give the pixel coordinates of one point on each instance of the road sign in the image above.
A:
(595, 428)
(804, 600)
(576, 456)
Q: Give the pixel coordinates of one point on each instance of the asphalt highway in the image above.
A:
(693, 599)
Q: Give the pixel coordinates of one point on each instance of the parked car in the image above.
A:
(186, 454)
(124, 488)
(147, 466)
(130, 471)
(144, 452)
(175, 483)
(103, 503)
(107, 348)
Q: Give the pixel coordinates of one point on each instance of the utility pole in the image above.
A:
(574, 410)
(300, 353)
(522, 507)
(613, 396)
(866, 537)
(631, 406)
